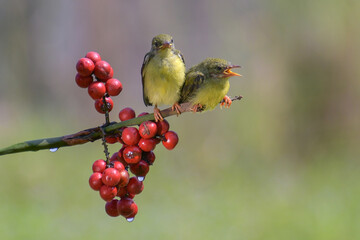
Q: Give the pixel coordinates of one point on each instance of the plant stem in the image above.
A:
(88, 135)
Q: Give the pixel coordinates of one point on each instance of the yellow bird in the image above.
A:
(163, 74)
(207, 83)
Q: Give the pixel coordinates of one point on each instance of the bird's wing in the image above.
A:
(147, 58)
(177, 52)
(192, 83)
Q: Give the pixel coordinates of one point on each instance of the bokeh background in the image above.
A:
(283, 163)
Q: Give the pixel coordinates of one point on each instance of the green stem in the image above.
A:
(88, 135)
(84, 136)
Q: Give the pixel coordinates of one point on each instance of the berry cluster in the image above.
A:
(113, 180)
(111, 177)
(104, 85)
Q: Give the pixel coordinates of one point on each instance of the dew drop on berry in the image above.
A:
(130, 219)
(53, 149)
(140, 178)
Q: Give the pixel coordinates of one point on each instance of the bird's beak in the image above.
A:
(229, 73)
(166, 45)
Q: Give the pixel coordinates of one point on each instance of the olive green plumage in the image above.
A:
(163, 72)
(207, 83)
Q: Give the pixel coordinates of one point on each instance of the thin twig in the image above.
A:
(106, 107)
(106, 150)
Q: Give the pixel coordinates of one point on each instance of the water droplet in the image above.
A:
(130, 219)
(140, 178)
(53, 149)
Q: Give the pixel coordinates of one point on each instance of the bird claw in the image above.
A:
(226, 102)
(157, 115)
(176, 107)
(197, 108)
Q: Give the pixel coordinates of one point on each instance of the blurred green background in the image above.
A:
(283, 163)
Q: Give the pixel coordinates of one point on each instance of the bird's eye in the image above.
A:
(157, 44)
(172, 41)
(219, 68)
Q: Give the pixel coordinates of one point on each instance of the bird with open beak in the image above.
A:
(207, 83)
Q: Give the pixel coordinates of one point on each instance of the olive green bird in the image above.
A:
(163, 74)
(207, 83)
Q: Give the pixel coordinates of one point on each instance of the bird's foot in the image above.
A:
(157, 115)
(197, 108)
(176, 107)
(226, 102)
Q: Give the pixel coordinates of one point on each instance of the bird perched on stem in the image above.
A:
(163, 74)
(207, 83)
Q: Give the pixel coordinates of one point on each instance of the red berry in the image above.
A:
(82, 81)
(114, 157)
(107, 192)
(135, 186)
(148, 129)
(162, 127)
(140, 169)
(171, 139)
(130, 136)
(94, 56)
(121, 152)
(95, 181)
(122, 160)
(122, 192)
(126, 114)
(132, 154)
(130, 218)
(120, 140)
(143, 114)
(119, 135)
(100, 106)
(85, 67)
(157, 140)
(111, 177)
(111, 139)
(147, 145)
(96, 90)
(124, 178)
(130, 195)
(149, 157)
(99, 166)
(111, 74)
(111, 208)
(102, 70)
(118, 165)
(113, 87)
(126, 207)
(120, 156)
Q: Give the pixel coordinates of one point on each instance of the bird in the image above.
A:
(207, 83)
(163, 74)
